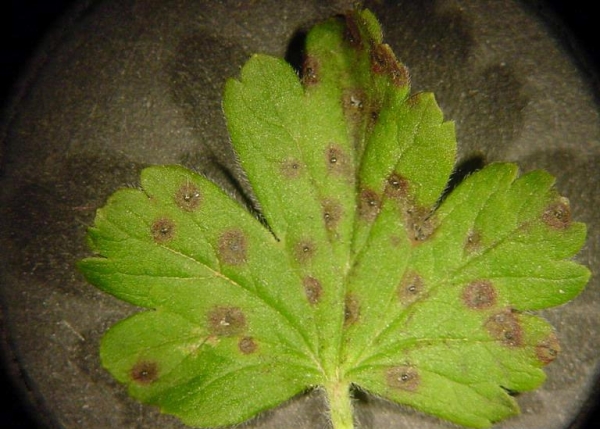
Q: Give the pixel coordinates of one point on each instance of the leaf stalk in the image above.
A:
(340, 405)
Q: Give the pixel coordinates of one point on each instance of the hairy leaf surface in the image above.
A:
(359, 273)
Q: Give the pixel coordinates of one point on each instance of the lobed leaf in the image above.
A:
(361, 273)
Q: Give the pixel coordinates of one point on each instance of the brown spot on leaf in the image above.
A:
(332, 213)
(373, 117)
(505, 328)
(247, 345)
(383, 61)
(352, 31)
(291, 168)
(336, 160)
(399, 74)
(226, 321)
(163, 230)
(558, 214)
(403, 377)
(233, 247)
(313, 289)
(310, 71)
(479, 295)
(420, 224)
(395, 240)
(353, 103)
(144, 372)
(379, 58)
(548, 350)
(473, 242)
(188, 197)
(414, 99)
(396, 186)
(369, 204)
(351, 310)
(304, 250)
(411, 288)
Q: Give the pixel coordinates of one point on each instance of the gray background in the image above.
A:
(130, 83)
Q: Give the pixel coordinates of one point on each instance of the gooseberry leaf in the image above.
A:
(357, 274)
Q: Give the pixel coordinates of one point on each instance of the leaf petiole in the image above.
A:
(340, 405)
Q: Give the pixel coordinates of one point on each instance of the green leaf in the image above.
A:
(358, 274)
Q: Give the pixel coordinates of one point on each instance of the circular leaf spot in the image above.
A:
(473, 242)
(188, 197)
(351, 310)
(548, 350)
(403, 377)
(233, 247)
(505, 327)
(163, 230)
(369, 204)
(332, 213)
(396, 187)
(313, 289)
(291, 168)
(144, 372)
(247, 345)
(336, 160)
(419, 224)
(479, 295)
(226, 321)
(304, 251)
(558, 214)
(411, 288)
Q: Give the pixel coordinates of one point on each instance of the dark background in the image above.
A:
(23, 23)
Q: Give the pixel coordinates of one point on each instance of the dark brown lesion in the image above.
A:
(354, 104)
(352, 33)
(247, 345)
(420, 223)
(312, 289)
(473, 242)
(226, 321)
(403, 377)
(558, 214)
(411, 288)
(188, 197)
(144, 372)
(351, 310)
(304, 251)
(233, 247)
(369, 204)
(505, 327)
(480, 295)
(548, 349)
(310, 70)
(163, 230)
(291, 168)
(397, 187)
(332, 213)
(383, 61)
(337, 160)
